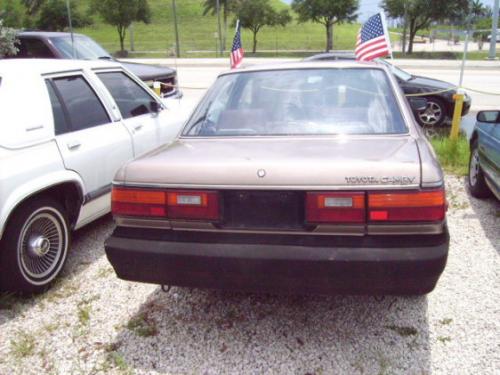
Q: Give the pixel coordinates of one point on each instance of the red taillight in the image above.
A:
(407, 206)
(193, 205)
(188, 205)
(132, 202)
(335, 207)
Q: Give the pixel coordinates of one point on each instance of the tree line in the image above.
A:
(417, 15)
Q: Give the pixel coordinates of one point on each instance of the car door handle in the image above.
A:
(73, 145)
(138, 127)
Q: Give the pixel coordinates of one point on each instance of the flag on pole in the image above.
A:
(373, 39)
(237, 52)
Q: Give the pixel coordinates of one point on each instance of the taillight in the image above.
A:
(341, 207)
(407, 206)
(132, 202)
(193, 205)
(169, 204)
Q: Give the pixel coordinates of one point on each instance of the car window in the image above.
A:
(84, 108)
(131, 98)
(299, 102)
(60, 123)
(81, 47)
(33, 48)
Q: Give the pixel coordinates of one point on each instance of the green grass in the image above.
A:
(197, 32)
(23, 345)
(453, 155)
(445, 55)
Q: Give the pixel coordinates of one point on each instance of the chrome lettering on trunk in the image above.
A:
(393, 180)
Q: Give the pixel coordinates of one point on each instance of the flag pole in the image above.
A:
(387, 36)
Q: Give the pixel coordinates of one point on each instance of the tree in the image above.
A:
(7, 41)
(32, 6)
(255, 14)
(419, 14)
(121, 14)
(227, 6)
(12, 12)
(54, 16)
(327, 13)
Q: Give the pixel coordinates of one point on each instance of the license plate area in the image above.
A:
(263, 210)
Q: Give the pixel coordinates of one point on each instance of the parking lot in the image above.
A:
(90, 322)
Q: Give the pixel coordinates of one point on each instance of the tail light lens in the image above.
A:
(335, 207)
(407, 206)
(193, 205)
(188, 205)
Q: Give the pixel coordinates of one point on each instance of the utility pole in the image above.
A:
(177, 46)
(131, 33)
(494, 32)
(221, 47)
(68, 8)
(405, 28)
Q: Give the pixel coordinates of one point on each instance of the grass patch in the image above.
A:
(445, 55)
(196, 32)
(446, 321)
(444, 339)
(142, 326)
(403, 331)
(23, 346)
(453, 155)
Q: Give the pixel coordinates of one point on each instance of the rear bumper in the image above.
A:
(290, 264)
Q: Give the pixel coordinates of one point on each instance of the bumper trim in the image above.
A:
(280, 268)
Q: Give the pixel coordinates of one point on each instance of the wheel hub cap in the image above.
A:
(38, 245)
(432, 114)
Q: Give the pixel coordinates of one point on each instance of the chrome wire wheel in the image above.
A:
(474, 167)
(42, 245)
(432, 115)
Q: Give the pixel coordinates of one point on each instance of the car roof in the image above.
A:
(47, 34)
(315, 64)
(46, 66)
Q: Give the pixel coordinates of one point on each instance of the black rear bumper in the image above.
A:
(274, 263)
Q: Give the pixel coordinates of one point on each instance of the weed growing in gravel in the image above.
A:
(444, 339)
(446, 321)
(117, 360)
(23, 346)
(8, 301)
(453, 155)
(104, 272)
(142, 326)
(403, 331)
(84, 314)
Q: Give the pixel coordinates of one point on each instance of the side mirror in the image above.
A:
(489, 117)
(155, 107)
(418, 104)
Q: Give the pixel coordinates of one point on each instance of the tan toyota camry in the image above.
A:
(303, 178)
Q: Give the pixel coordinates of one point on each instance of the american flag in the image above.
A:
(373, 39)
(237, 52)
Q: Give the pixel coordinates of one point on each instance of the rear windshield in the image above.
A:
(299, 102)
(83, 48)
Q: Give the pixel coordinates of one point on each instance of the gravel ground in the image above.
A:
(91, 322)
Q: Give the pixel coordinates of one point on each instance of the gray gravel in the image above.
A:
(91, 322)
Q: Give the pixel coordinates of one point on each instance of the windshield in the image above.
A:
(401, 74)
(85, 48)
(299, 102)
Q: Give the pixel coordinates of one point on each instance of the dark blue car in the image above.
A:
(484, 165)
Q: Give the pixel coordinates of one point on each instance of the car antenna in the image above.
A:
(68, 7)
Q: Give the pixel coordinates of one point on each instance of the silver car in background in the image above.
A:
(308, 178)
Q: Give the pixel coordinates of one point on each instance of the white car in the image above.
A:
(66, 127)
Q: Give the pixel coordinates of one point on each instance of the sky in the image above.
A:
(370, 7)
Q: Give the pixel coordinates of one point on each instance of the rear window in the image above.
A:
(299, 102)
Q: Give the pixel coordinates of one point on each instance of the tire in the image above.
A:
(477, 184)
(434, 114)
(34, 247)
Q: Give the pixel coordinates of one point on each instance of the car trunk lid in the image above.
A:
(285, 163)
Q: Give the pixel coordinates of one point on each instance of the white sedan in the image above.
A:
(66, 127)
